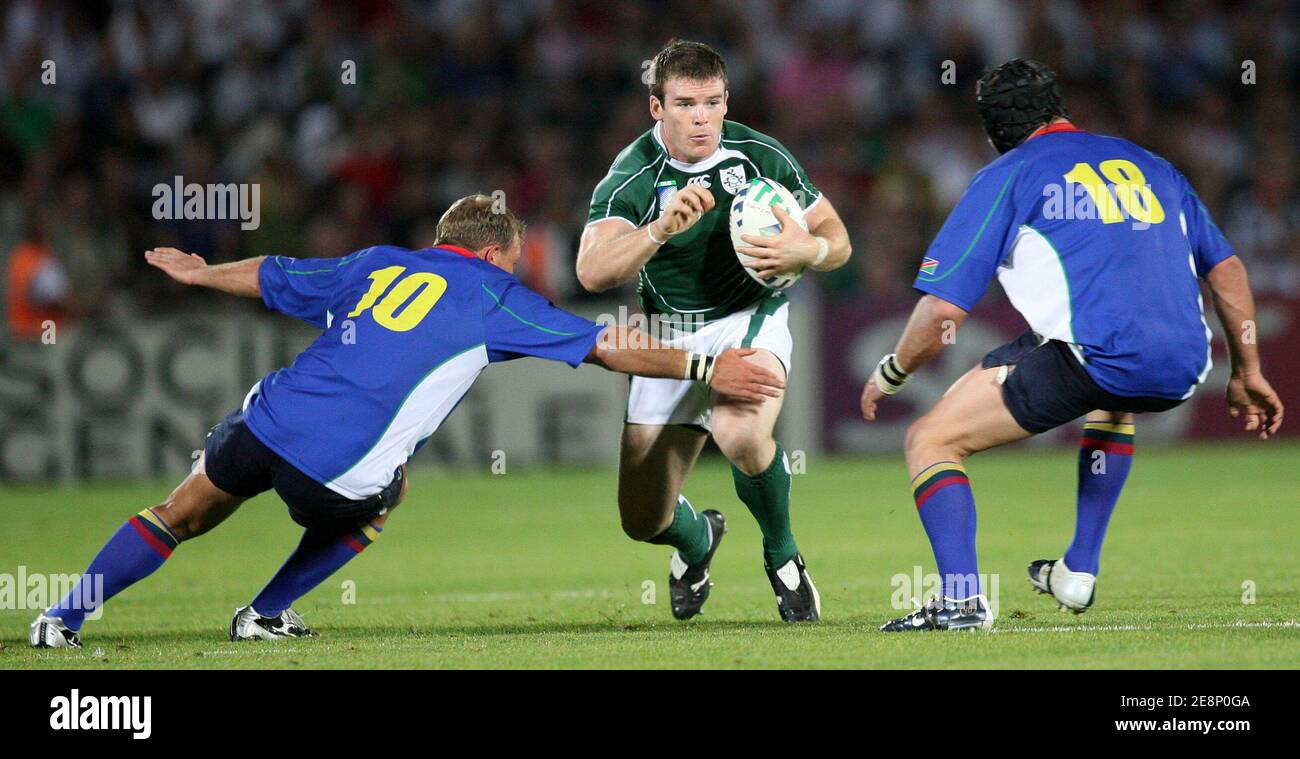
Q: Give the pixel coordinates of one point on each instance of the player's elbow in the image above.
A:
(592, 281)
(942, 311)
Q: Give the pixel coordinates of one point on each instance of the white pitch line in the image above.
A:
(1240, 624)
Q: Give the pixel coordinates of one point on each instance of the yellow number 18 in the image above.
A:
(1131, 192)
(429, 286)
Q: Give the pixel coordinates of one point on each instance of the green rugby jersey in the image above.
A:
(695, 273)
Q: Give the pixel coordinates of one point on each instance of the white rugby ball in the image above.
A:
(751, 214)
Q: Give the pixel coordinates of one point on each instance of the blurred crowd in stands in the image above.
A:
(101, 101)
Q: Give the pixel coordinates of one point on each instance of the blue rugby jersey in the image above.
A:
(1098, 243)
(406, 333)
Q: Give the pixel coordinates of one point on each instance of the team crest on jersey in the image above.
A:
(929, 266)
(665, 190)
(733, 178)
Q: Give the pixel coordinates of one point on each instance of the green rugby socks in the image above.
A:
(688, 533)
(767, 495)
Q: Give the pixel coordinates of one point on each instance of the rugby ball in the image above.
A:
(751, 214)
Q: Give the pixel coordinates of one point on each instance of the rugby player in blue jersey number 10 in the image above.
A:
(332, 433)
(1116, 328)
(660, 217)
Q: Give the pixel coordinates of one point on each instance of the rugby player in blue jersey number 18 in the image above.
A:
(404, 335)
(1110, 288)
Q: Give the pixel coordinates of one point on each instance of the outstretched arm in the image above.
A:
(630, 351)
(922, 340)
(1248, 392)
(237, 278)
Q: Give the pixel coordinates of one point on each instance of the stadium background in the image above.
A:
(533, 99)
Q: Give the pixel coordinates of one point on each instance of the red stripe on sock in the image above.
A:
(353, 543)
(1109, 446)
(162, 548)
(952, 479)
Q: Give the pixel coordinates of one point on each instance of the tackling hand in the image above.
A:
(734, 376)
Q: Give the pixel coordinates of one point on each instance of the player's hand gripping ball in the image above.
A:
(751, 214)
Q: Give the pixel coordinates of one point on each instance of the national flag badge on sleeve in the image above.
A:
(929, 266)
(665, 190)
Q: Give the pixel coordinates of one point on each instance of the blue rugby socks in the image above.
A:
(946, 505)
(1105, 458)
(319, 554)
(134, 552)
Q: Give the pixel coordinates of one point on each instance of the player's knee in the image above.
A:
(641, 529)
(917, 434)
(741, 445)
(925, 434)
(183, 519)
(642, 526)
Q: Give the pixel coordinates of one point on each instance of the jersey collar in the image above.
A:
(704, 164)
(466, 252)
(1064, 126)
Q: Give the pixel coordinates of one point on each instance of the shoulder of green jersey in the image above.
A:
(743, 135)
(609, 202)
(636, 161)
(639, 153)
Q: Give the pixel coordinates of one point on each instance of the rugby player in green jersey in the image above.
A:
(660, 216)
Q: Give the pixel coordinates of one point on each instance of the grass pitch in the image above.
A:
(530, 569)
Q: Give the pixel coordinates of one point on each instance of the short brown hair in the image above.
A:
(477, 221)
(694, 61)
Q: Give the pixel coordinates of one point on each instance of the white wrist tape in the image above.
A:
(823, 250)
(651, 235)
(889, 376)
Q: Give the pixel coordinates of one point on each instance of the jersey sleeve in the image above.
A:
(780, 164)
(1209, 246)
(299, 287)
(626, 192)
(519, 322)
(966, 253)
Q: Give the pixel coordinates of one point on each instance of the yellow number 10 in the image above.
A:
(430, 287)
(1131, 192)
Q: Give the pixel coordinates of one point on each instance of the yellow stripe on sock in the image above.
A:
(1121, 429)
(942, 466)
(157, 522)
(370, 532)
